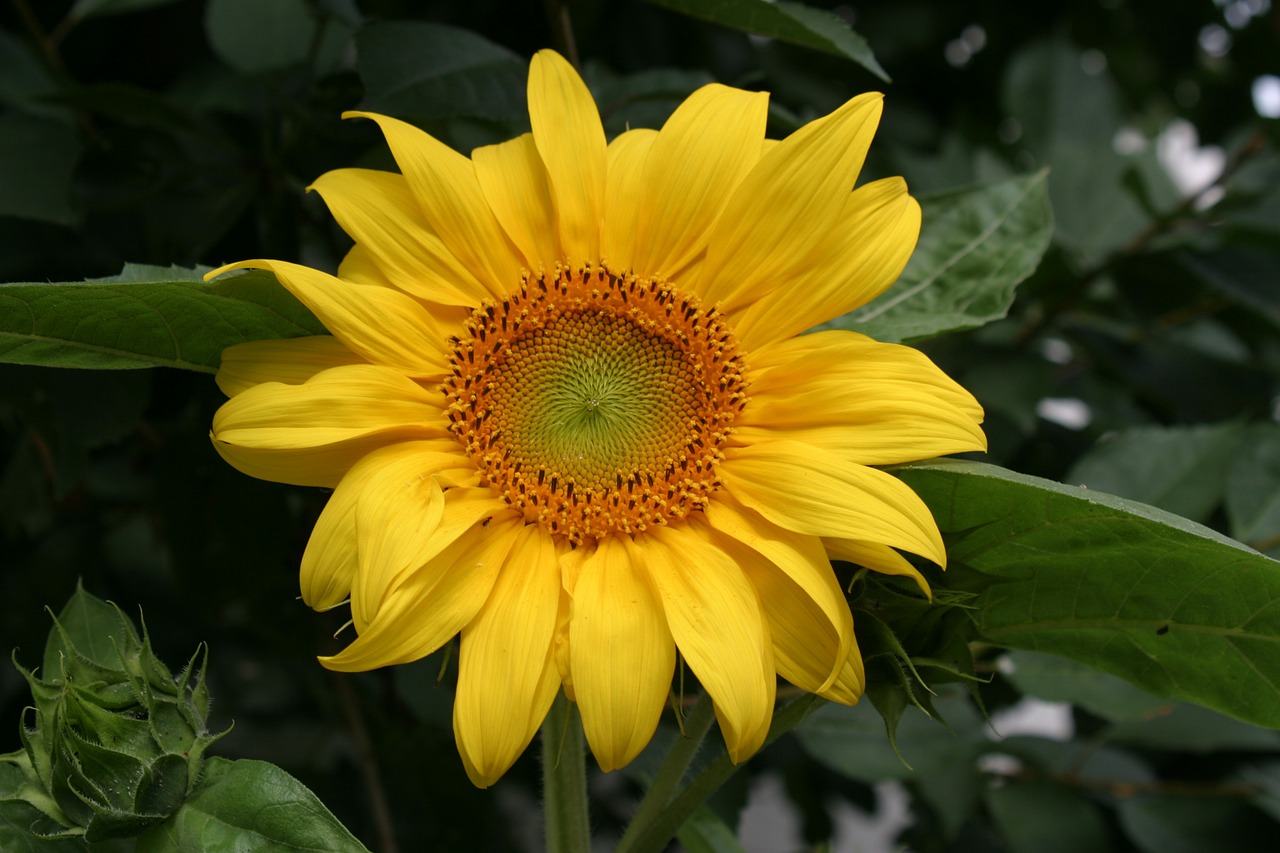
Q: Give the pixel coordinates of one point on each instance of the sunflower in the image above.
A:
(567, 413)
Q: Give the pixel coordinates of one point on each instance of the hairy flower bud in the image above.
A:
(114, 741)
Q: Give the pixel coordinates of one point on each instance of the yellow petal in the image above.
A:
(506, 675)
(808, 649)
(852, 681)
(801, 560)
(862, 257)
(514, 181)
(720, 629)
(703, 152)
(330, 561)
(623, 186)
(570, 138)
(291, 361)
(359, 266)
(808, 490)
(878, 558)
(380, 213)
(620, 651)
(434, 603)
(377, 323)
(391, 548)
(784, 209)
(445, 185)
(310, 434)
(560, 646)
(865, 401)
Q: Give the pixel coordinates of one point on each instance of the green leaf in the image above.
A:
(1057, 679)
(146, 317)
(975, 246)
(1179, 469)
(1247, 275)
(705, 832)
(1191, 728)
(411, 68)
(39, 156)
(26, 82)
(91, 8)
(1070, 119)
(644, 99)
(1253, 489)
(1041, 817)
(249, 806)
(1264, 777)
(1172, 607)
(794, 23)
(253, 37)
(1173, 824)
(95, 628)
(16, 818)
(852, 741)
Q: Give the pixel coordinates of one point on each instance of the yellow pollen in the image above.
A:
(596, 403)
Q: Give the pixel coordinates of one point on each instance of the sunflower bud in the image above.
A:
(114, 741)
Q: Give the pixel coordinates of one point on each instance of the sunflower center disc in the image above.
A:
(596, 403)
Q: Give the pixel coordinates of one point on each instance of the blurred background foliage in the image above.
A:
(1141, 359)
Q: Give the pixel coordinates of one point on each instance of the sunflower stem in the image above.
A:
(564, 780)
(667, 780)
(663, 826)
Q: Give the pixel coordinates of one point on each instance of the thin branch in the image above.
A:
(1125, 789)
(1078, 288)
(368, 762)
(48, 46)
(562, 30)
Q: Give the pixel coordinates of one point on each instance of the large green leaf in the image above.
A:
(794, 23)
(412, 68)
(249, 806)
(1173, 607)
(975, 246)
(146, 317)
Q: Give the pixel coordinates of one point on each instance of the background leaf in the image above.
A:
(794, 23)
(975, 246)
(1058, 679)
(1180, 469)
(852, 740)
(435, 71)
(39, 155)
(89, 8)
(255, 37)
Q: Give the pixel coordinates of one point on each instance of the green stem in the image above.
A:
(663, 788)
(654, 836)
(564, 780)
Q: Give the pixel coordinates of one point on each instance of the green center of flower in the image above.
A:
(591, 394)
(596, 403)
